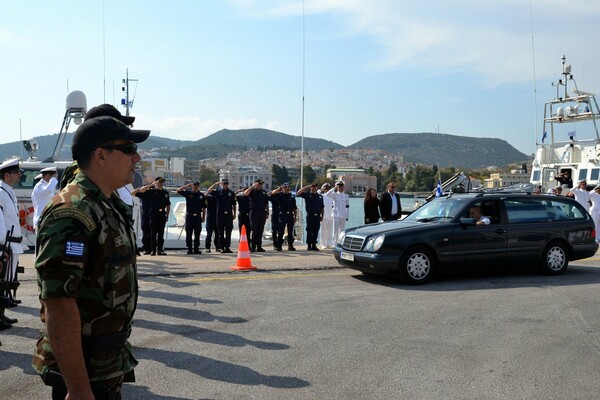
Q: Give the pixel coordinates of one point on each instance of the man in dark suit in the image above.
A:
(391, 209)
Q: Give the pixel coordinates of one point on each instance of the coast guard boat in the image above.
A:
(76, 107)
(570, 146)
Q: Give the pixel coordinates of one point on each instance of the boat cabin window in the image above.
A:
(595, 174)
(582, 174)
(536, 176)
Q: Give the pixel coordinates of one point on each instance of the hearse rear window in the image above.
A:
(541, 210)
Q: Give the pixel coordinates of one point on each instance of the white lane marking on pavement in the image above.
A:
(282, 276)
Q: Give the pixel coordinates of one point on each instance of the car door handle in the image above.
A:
(500, 231)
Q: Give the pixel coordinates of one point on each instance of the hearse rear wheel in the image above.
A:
(555, 259)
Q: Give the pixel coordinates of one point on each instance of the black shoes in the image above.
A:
(312, 247)
(260, 250)
(291, 248)
(207, 250)
(227, 250)
(9, 321)
(190, 251)
(147, 252)
(162, 253)
(4, 325)
(197, 251)
(153, 253)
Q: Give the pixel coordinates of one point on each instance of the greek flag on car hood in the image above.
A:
(438, 191)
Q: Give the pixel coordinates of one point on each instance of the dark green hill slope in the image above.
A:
(254, 138)
(445, 150)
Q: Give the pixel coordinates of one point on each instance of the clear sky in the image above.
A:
(463, 67)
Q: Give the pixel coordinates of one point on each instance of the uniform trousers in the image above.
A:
(313, 223)
(339, 224)
(146, 232)
(257, 225)
(212, 234)
(224, 227)
(157, 231)
(244, 220)
(193, 228)
(277, 239)
(286, 221)
(327, 237)
(596, 219)
(106, 390)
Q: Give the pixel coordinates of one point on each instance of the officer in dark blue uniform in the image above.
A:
(226, 206)
(259, 211)
(212, 234)
(160, 205)
(195, 207)
(314, 214)
(288, 213)
(243, 211)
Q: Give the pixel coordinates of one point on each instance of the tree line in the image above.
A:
(418, 178)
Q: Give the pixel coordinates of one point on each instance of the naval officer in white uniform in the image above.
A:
(10, 173)
(43, 192)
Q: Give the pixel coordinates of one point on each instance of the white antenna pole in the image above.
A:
(534, 77)
(103, 52)
(303, 85)
(21, 138)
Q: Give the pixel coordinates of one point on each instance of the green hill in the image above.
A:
(445, 150)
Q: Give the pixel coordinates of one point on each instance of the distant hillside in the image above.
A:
(445, 150)
(46, 146)
(427, 148)
(253, 138)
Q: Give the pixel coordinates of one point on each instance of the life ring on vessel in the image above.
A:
(26, 215)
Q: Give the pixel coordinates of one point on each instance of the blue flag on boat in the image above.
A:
(438, 191)
(571, 134)
(544, 136)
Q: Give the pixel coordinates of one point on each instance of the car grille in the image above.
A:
(353, 243)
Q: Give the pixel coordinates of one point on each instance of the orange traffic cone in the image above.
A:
(243, 259)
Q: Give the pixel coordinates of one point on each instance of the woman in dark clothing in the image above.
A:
(372, 204)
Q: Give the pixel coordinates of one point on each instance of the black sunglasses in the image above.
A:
(128, 148)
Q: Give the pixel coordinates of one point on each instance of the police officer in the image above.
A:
(226, 206)
(314, 214)
(10, 173)
(212, 234)
(86, 266)
(42, 192)
(259, 211)
(195, 207)
(243, 211)
(288, 213)
(160, 205)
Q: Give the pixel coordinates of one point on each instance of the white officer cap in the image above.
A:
(38, 176)
(49, 169)
(9, 165)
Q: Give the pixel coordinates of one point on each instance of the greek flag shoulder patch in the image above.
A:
(74, 249)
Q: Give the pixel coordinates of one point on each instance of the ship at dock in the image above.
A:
(569, 150)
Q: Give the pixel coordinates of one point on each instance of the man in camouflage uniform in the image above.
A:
(86, 268)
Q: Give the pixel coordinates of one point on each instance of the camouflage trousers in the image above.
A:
(105, 390)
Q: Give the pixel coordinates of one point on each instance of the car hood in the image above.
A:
(384, 227)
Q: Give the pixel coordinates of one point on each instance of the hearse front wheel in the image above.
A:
(417, 266)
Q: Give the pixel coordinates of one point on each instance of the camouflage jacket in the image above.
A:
(87, 251)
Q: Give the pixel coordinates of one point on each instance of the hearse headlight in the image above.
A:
(341, 237)
(374, 243)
